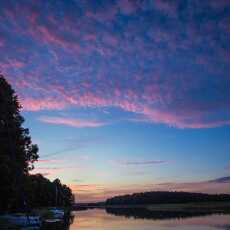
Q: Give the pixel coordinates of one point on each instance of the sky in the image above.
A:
(123, 96)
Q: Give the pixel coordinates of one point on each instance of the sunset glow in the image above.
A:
(123, 96)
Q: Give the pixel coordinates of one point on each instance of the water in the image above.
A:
(100, 220)
(137, 219)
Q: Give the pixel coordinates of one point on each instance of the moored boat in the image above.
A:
(21, 220)
(57, 213)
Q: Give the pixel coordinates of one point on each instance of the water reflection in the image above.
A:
(130, 219)
(96, 219)
(144, 213)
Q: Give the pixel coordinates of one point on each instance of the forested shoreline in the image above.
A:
(162, 197)
(19, 190)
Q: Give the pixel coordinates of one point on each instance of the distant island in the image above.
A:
(162, 197)
(166, 205)
(163, 204)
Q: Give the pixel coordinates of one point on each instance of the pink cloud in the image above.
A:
(79, 123)
(48, 169)
(127, 6)
(128, 100)
(146, 112)
(36, 104)
(103, 14)
(50, 35)
(11, 63)
(167, 7)
(81, 61)
(47, 161)
(86, 188)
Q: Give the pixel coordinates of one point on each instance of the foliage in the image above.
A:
(41, 192)
(17, 155)
(165, 198)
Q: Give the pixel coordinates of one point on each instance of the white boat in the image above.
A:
(57, 213)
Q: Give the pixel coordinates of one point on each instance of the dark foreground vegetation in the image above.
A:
(20, 191)
(147, 198)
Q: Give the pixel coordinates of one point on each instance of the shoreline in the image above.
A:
(177, 207)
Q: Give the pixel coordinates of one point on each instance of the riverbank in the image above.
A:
(187, 207)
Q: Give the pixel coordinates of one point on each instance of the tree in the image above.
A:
(41, 192)
(17, 153)
(164, 197)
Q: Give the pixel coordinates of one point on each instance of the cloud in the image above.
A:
(36, 104)
(47, 171)
(145, 162)
(221, 180)
(219, 185)
(150, 162)
(51, 171)
(165, 62)
(48, 168)
(86, 188)
(79, 123)
(46, 161)
(11, 63)
(73, 144)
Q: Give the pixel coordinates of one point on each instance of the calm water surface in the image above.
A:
(99, 219)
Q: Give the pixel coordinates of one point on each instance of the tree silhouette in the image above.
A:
(41, 192)
(164, 197)
(17, 153)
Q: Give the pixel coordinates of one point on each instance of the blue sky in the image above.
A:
(123, 95)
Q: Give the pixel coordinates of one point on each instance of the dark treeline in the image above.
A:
(18, 189)
(40, 191)
(144, 213)
(165, 198)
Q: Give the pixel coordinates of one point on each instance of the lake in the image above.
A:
(96, 219)
(136, 219)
